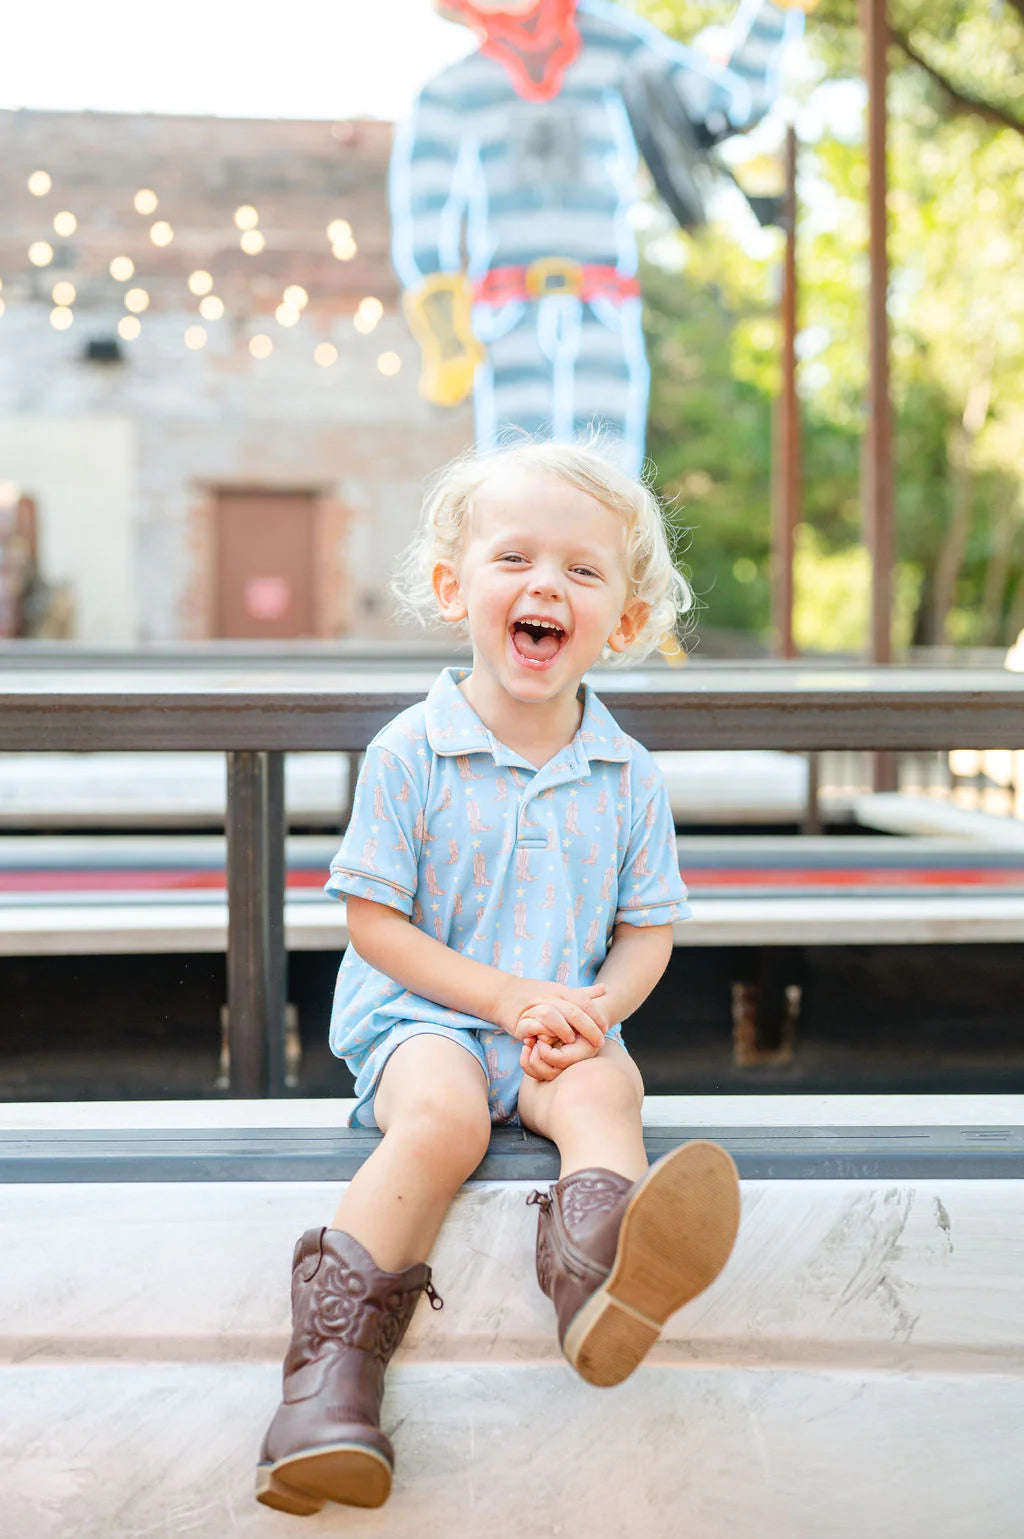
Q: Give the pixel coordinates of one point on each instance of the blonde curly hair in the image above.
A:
(652, 575)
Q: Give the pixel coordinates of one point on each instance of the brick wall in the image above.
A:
(361, 441)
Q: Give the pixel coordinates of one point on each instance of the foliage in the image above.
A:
(956, 204)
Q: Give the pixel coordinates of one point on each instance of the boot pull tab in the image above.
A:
(540, 1200)
(436, 1301)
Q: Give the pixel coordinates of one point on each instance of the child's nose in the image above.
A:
(546, 584)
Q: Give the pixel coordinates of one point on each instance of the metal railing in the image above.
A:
(255, 722)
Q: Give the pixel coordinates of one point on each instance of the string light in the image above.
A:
(40, 253)
(368, 315)
(137, 300)
(286, 315)
(61, 318)
(345, 249)
(121, 268)
(128, 327)
(161, 233)
(3, 307)
(39, 184)
(146, 201)
(325, 353)
(195, 337)
(260, 346)
(63, 293)
(339, 230)
(246, 217)
(296, 296)
(200, 282)
(65, 222)
(252, 242)
(389, 364)
(211, 308)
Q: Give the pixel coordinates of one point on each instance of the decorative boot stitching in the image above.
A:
(589, 1195)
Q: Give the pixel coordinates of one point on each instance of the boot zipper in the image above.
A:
(436, 1301)
(578, 1261)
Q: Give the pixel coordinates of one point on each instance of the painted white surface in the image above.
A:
(169, 1449)
(165, 789)
(737, 1111)
(857, 1369)
(66, 928)
(899, 812)
(82, 473)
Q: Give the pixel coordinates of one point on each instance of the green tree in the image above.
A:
(956, 202)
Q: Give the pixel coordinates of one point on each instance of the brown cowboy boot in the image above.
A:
(325, 1442)
(618, 1257)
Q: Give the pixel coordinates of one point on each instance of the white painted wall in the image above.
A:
(82, 473)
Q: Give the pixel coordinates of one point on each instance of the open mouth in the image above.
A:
(537, 641)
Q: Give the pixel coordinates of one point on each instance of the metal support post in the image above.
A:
(256, 953)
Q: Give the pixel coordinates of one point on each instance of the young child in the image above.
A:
(511, 877)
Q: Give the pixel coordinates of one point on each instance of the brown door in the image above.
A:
(265, 564)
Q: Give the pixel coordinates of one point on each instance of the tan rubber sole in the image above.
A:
(347, 1473)
(677, 1232)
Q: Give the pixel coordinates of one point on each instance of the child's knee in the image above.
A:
(607, 1084)
(450, 1132)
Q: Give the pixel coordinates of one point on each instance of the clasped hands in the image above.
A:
(557, 1026)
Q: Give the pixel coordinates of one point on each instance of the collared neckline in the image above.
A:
(453, 727)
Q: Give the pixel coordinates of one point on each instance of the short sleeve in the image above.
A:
(378, 855)
(651, 891)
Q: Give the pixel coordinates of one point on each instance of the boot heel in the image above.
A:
(273, 1492)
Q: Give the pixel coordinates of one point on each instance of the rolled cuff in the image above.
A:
(654, 913)
(344, 881)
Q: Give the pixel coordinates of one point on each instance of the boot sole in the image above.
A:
(676, 1235)
(347, 1473)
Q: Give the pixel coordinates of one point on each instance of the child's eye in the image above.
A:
(511, 555)
(586, 571)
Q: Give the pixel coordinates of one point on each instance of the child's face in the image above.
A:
(538, 549)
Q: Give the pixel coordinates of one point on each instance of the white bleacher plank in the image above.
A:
(738, 1111)
(899, 812)
(859, 1326)
(166, 790)
(161, 1449)
(318, 924)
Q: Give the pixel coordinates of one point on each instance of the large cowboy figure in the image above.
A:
(511, 189)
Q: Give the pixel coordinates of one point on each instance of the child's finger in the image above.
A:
(552, 1016)
(585, 1025)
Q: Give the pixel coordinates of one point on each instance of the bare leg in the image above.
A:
(432, 1105)
(592, 1112)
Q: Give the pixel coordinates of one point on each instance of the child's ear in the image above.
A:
(629, 627)
(448, 591)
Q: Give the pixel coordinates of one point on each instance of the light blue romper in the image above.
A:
(527, 869)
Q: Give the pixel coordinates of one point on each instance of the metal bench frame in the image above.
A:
(788, 707)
